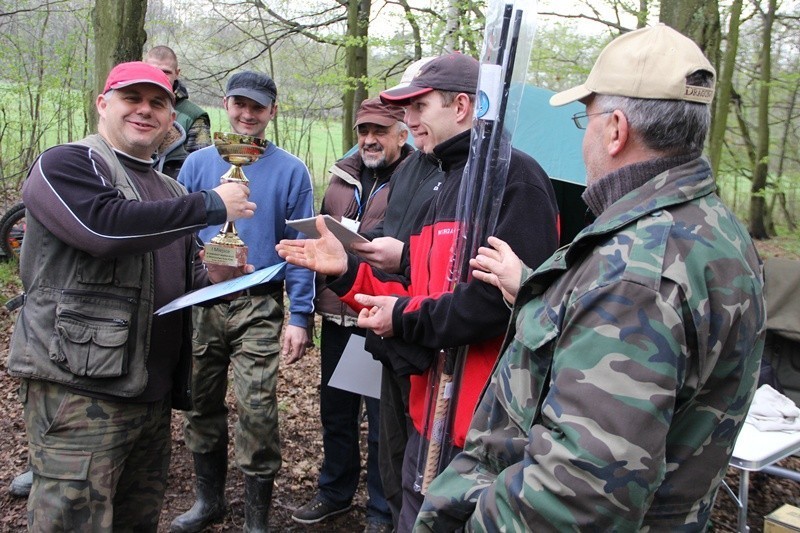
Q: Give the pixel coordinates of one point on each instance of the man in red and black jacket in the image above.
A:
(419, 312)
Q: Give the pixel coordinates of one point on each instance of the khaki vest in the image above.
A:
(86, 321)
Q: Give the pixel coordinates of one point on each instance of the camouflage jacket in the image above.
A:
(626, 375)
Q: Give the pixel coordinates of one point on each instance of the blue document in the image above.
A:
(221, 289)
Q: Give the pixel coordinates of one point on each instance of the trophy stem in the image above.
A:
(228, 235)
(227, 248)
(234, 174)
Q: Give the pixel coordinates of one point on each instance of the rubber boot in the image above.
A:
(210, 471)
(21, 485)
(257, 499)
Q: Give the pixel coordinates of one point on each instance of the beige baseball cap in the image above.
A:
(648, 63)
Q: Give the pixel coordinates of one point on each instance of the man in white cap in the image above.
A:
(108, 241)
(415, 314)
(634, 353)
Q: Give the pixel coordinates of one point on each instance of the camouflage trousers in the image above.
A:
(245, 335)
(98, 465)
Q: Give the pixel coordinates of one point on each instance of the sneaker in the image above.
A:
(317, 510)
(378, 527)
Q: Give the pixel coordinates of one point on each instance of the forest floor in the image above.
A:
(298, 393)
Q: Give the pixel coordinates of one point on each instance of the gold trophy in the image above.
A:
(227, 248)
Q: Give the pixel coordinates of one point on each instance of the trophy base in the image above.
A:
(233, 255)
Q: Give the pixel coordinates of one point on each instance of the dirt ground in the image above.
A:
(302, 451)
(301, 444)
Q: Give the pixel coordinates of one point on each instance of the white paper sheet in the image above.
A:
(357, 371)
(345, 234)
(221, 289)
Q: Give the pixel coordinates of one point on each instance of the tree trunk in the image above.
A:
(415, 31)
(724, 87)
(356, 47)
(641, 17)
(786, 144)
(698, 20)
(119, 36)
(452, 23)
(758, 228)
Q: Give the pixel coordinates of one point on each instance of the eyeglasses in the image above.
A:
(581, 120)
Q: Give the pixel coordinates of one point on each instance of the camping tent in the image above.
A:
(548, 134)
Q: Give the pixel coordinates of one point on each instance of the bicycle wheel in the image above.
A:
(12, 230)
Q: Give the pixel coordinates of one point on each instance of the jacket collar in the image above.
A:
(672, 187)
(453, 152)
(349, 168)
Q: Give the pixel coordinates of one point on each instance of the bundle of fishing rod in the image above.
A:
(508, 40)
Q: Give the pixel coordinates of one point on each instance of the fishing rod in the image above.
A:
(480, 195)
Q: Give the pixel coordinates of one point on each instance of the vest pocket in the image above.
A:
(91, 342)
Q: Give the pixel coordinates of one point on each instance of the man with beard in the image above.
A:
(358, 190)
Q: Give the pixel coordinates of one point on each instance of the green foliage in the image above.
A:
(787, 241)
(42, 81)
(561, 57)
(736, 192)
(10, 284)
(46, 58)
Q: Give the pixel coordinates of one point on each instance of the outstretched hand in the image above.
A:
(498, 266)
(325, 255)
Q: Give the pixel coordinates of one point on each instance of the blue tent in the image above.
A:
(548, 134)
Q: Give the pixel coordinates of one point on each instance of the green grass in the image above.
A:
(10, 284)
(788, 242)
(317, 143)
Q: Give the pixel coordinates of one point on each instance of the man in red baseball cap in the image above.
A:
(127, 74)
(125, 127)
(108, 241)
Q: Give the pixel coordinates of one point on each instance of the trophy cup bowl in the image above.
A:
(227, 248)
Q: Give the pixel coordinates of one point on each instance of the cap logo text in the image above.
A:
(698, 94)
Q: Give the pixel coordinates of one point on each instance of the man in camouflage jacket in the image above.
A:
(633, 352)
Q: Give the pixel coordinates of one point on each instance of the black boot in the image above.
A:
(21, 485)
(257, 498)
(210, 470)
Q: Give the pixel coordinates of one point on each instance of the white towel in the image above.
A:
(772, 411)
